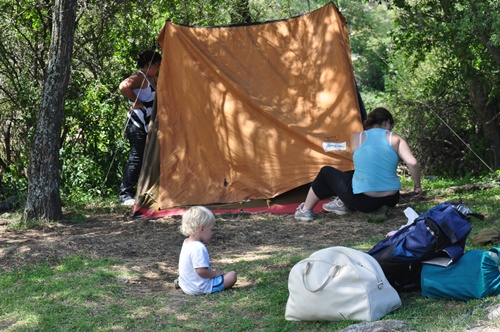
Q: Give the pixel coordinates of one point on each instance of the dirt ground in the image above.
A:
(151, 247)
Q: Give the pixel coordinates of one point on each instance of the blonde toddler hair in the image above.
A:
(194, 218)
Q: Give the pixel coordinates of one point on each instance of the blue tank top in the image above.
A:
(375, 164)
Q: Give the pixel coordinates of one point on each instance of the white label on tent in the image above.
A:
(331, 146)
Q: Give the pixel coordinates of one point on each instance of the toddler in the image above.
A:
(196, 275)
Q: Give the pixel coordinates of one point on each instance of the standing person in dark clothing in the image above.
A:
(140, 89)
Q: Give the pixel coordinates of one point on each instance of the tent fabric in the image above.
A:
(249, 111)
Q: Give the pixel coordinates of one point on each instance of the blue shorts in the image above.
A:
(217, 284)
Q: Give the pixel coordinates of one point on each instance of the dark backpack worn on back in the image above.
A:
(439, 232)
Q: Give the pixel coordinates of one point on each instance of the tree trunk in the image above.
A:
(44, 201)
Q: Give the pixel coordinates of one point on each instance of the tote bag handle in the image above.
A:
(332, 273)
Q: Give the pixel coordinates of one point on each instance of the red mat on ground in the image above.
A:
(286, 203)
(273, 209)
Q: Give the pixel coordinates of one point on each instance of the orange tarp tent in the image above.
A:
(249, 111)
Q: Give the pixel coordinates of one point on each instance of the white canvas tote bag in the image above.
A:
(339, 283)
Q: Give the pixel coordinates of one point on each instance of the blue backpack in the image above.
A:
(438, 232)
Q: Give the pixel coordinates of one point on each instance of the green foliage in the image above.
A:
(12, 185)
(19, 224)
(434, 115)
(369, 26)
(422, 54)
(444, 78)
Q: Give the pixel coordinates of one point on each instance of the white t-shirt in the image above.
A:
(194, 255)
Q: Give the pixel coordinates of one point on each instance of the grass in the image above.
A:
(80, 293)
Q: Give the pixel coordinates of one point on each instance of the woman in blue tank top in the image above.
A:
(373, 183)
(140, 89)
